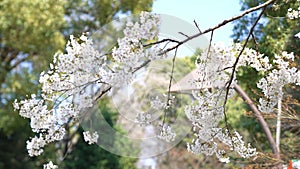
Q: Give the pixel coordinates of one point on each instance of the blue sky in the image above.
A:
(206, 13)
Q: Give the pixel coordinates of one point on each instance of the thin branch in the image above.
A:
(207, 54)
(18, 62)
(100, 93)
(181, 33)
(10, 55)
(210, 42)
(142, 65)
(196, 24)
(237, 60)
(170, 84)
(235, 66)
(255, 43)
(161, 41)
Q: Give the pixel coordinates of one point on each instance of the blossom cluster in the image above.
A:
(131, 50)
(163, 103)
(275, 79)
(232, 140)
(166, 133)
(143, 118)
(90, 138)
(74, 80)
(292, 13)
(50, 165)
(157, 103)
(277, 73)
(215, 70)
(42, 121)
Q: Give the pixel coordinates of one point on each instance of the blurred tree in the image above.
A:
(93, 156)
(29, 33)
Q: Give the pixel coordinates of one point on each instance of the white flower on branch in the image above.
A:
(130, 48)
(143, 119)
(275, 80)
(297, 35)
(221, 155)
(35, 146)
(166, 134)
(90, 138)
(50, 165)
(215, 68)
(232, 140)
(293, 14)
(166, 102)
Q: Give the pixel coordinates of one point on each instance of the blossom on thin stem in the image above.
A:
(143, 119)
(293, 13)
(166, 133)
(50, 165)
(274, 80)
(90, 138)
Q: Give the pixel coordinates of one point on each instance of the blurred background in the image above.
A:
(32, 31)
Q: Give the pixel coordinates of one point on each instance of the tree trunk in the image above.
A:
(260, 119)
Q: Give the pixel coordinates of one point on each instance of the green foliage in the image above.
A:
(91, 15)
(95, 157)
(13, 149)
(14, 88)
(31, 27)
(243, 121)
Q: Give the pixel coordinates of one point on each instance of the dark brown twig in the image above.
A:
(196, 24)
(235, 66)
(181, 33)
(170, 84)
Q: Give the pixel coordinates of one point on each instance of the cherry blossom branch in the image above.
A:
(236, 63)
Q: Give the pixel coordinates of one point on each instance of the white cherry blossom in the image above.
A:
(90, 138)
(50, 165)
